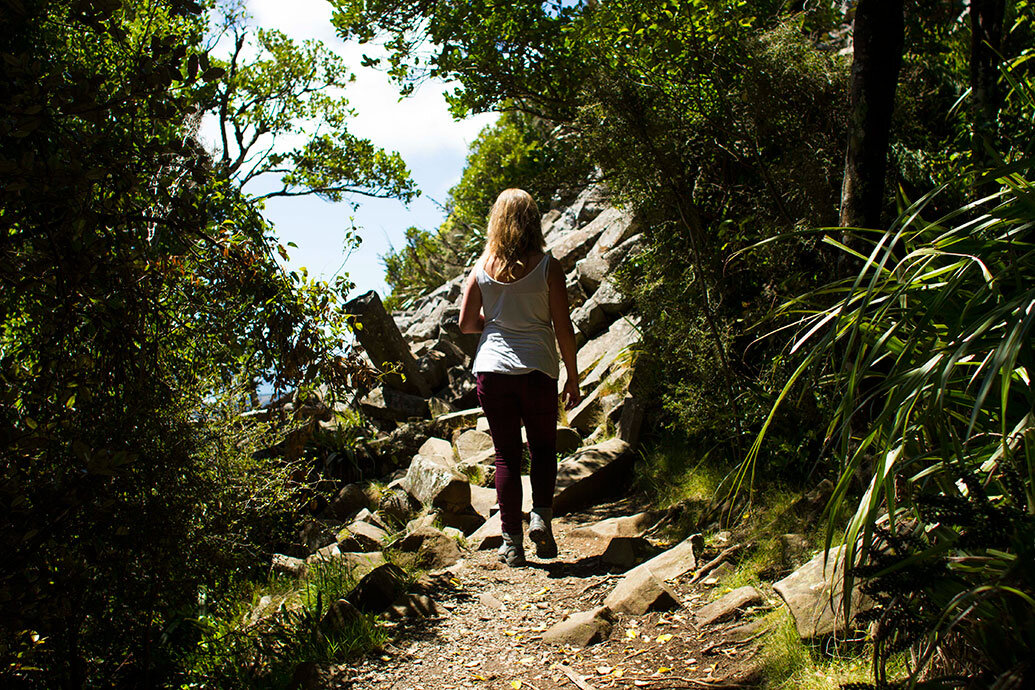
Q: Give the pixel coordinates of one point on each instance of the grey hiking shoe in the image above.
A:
(513, 551)
(541, 534)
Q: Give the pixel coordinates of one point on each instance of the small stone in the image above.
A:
(729, 605)
(414, 606)
(287, 565)
(642, 591)
(581, 629)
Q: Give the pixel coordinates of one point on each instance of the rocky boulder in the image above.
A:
(380, 337)
(413, 605)
(665, 566)
(376, 590)
(814, 594)
(434, 549)
(398, 505)
(625, 552)
(628, 526)
(287, 565)
(351, 499)
(388, 404)
(434, 482)
(591, 474)
(643, 591)
(582, 629)
(729, 605)
(361, 536)
(472, 443)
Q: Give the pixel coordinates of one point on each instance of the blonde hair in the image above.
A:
(514, 232)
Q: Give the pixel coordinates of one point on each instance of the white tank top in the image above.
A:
(518, 335)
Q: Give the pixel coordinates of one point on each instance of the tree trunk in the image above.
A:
(878, 36)
(986, 37)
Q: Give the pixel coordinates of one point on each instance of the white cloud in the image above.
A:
(415, 126)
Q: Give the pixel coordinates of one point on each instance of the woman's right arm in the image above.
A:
(471, 318)
(564, 331)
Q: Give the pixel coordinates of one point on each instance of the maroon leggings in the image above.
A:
(508, 400)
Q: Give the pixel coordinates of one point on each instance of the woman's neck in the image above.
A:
(493, 264)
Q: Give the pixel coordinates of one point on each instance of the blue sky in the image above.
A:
(419, 128)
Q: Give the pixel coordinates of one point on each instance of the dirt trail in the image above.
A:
(490, 635)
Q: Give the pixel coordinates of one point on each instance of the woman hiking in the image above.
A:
(516, 298)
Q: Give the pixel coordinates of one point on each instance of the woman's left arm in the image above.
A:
(471, 318)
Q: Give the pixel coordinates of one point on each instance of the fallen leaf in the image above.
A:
(385, 657)
(664, 669)
(632, 634)
(516, 684)
(618, 672)
(510, 633)
(604, 670)
(664, 637)
(527, 661)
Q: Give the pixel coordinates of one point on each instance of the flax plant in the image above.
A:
(929, 351)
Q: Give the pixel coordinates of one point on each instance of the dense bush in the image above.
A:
(141, 302)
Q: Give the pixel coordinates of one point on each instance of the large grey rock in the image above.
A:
(434, 366)
(591, 474)
(553, 225)
(413, 605)
(398, 505)
(586, 415)
(392, 405)
(467, 521)
(426, 321)
(568, 440)
(360, 563)
(625, 552)
(581, 629)
(433, 548)
(620, 225)
(665, 566)
(384, 344)
(815, 595)
(437, 448)
(488, 535)
(372, 518)
(627, 526)
(434, 482)
(643, 591)
(598, 355)
(610, 298)
(473, 443)
(631, 420)
(401, 444)
(287, 565)
(361, 536)
(353, 498)
(316, 534)
(340, 615)
(376, 590)
(729, 605)
(590, 318)
(572, 246)
(483, 500)
(592, 270)
(461, 418)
